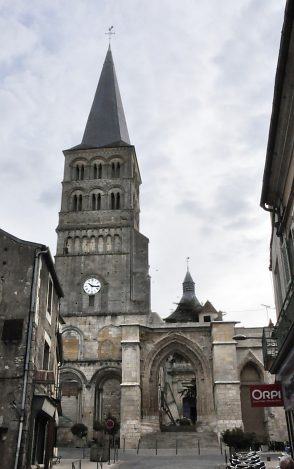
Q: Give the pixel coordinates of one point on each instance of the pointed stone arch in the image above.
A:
(252, 359)
(171, 343)
(251, 372)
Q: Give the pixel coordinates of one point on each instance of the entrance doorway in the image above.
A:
(253, 417)
(177, 392)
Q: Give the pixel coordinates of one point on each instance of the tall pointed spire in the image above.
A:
(106, 123)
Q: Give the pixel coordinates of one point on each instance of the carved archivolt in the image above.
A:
(179, 343)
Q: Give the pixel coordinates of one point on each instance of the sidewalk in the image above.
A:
(74, 455)
(85, 464)
(147, 459)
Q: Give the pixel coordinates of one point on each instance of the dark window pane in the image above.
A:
(12, 330)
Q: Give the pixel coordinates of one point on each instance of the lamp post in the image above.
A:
(240, 337)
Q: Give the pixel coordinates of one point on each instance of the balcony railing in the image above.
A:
(286, 317)
(269, 347)
(44, 377)
(275, 338)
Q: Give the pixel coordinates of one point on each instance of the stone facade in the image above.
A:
(111, 337)
(29, 353)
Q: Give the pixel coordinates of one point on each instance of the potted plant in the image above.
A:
(237, 439)
(99, 449)
(80, 431)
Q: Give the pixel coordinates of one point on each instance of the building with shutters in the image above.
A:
(278, 199)
(30, 353)
(120, 358)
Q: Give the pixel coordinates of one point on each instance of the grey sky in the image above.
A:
(196, 79)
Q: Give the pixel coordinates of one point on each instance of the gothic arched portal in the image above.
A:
(176, 349)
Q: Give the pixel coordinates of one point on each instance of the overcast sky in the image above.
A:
(196, 79)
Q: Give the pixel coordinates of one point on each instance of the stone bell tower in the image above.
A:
(98, 230)
(102, 259)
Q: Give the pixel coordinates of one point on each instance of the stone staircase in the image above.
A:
(185, 439)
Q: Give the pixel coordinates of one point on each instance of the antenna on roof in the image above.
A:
(110, 33)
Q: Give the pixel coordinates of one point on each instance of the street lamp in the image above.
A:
(239, 337)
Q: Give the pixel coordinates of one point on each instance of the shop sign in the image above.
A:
(266, 395)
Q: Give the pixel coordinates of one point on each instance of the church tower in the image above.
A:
(102, 264)
(102, 258)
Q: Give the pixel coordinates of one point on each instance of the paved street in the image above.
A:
(165, 459)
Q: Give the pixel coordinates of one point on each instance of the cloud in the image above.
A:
(197, 94)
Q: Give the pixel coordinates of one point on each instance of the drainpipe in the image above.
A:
(28, 352)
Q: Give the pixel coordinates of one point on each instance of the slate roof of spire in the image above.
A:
(189, 307)
(106, 125)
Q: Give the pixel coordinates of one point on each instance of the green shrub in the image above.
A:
(80, 430)
(238, 439)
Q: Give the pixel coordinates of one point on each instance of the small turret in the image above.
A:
(189, 307)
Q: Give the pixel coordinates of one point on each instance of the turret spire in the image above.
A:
(106, 125)
(189, 307)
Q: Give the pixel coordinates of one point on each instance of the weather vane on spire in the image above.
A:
(110, 33)
(187, 260)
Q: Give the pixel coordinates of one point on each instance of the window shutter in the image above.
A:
(286, 264)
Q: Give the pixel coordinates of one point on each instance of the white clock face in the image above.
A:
(92, 286)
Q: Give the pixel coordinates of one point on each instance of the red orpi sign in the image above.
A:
(266, 395)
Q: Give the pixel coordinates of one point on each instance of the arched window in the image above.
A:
(108, 243)
(113, 170)
(85, 244)
(71, 387)
(80, 202)
(92, 245)
(112, 201)
(117, 243)
(96, 201)
(115, 200)
(68, 245)
(77, 202)
(97, 171)
(71, 345)
(100, 244)
(93, 202)
(77, 244)
(79, 172)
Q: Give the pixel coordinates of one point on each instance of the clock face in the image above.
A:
(92, 286)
